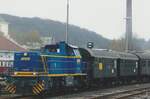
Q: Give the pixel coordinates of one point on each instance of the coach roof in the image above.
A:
(111, 54)
(143, 55)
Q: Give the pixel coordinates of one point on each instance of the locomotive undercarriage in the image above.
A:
(39, 85)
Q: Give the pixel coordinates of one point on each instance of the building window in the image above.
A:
(7, 65)
(0, 64)
(3, 64)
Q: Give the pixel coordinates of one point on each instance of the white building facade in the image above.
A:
(4, 26)
(6, 61)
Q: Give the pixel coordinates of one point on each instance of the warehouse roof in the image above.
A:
(9, 45)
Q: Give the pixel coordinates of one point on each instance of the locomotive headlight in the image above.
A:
(15, 73)
(34, 73)
(25, 54)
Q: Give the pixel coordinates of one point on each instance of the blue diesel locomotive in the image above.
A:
(54, 66)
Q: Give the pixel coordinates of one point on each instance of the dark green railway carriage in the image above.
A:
(111, 66)
(104, 63)
(144, 64)
(128, 65)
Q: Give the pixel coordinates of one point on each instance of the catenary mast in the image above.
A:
(67, 23)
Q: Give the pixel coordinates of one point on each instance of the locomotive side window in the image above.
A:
(58, 50)
(70, 51)
(51, 49)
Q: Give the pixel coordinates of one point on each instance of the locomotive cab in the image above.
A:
(64, 64)
(62, 59)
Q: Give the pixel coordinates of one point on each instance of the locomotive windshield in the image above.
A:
(61, 49)
(51, 49)
(76, 52)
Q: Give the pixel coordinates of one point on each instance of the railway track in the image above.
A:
(122, 92)
(19, 97)
(5, 95)
(15, 96)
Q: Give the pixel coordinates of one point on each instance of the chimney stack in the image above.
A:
(128, 25)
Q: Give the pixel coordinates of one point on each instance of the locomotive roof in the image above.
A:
(73, 46)
(57, 44)
(111, 54)
(143, 55)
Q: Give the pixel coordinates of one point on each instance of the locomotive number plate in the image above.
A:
(25, 58)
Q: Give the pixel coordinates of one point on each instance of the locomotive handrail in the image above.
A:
(61, 56)
(44, 63)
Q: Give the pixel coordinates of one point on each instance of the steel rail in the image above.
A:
(18, 97)
(122, 94)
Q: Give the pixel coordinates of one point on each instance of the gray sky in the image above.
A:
(105, 17)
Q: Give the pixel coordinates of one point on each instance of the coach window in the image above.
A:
(148, 63)
(136, 64)
(144, 63)
(115, 63)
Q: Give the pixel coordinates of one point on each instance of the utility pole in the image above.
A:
(67, 23)
(128, 25)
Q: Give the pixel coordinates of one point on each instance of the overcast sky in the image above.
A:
(105, 17)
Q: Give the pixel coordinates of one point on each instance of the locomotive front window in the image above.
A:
(76, 52)
(52, 50)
